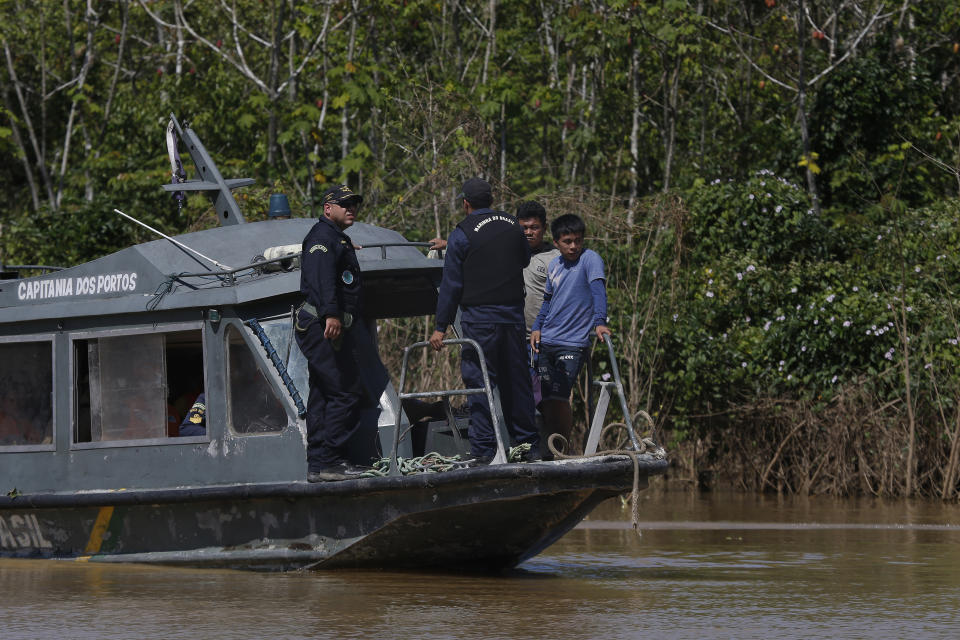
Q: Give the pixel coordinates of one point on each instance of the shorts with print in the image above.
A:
(558, 367)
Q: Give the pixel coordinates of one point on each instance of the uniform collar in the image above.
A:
(333, 226)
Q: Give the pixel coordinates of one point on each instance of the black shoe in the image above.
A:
(335, 472)
(478, 461)
(531, 456)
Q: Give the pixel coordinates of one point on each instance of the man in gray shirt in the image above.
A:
(533, 219)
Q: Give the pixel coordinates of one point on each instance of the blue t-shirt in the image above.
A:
(571, 311)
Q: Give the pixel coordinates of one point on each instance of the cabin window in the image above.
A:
(26, 393)
(135, 387)
(254, 405)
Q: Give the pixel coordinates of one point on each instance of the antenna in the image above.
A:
(176, 242)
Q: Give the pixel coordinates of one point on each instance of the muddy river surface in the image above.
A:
(714, 565)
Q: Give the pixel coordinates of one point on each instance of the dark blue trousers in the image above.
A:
(333, 405)
(509, 371)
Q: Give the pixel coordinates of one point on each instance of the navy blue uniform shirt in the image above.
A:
(329, 271)
(451, 287)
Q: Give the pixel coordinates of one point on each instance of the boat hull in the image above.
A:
(481, 518)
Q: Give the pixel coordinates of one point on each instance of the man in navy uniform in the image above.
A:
(483, 274)
(195, 422)
(330, 284)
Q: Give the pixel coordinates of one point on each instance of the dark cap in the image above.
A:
(477, 192)
(340, 194)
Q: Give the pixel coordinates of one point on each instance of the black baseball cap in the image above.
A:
(339, 195)
(477, 192)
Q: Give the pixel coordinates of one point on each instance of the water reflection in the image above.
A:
(714, 565)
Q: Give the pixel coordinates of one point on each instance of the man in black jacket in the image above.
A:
(330, 284)
(483, 274)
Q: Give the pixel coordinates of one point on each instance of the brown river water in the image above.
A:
(712, 565)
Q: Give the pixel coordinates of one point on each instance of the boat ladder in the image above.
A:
(493, 400)
(603, 403)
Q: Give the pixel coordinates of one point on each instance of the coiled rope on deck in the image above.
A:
(433, 462)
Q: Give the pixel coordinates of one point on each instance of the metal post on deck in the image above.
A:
(593, 438)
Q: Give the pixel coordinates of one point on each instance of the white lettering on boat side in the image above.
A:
(22, 532)
(79, 286)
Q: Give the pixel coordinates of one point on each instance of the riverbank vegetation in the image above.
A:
(773, 184)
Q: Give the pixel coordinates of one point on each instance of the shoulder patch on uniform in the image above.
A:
(318, 247)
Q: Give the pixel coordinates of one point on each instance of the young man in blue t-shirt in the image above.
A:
(574, 307)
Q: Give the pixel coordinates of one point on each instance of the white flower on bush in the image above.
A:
(739, 276)
(847, 323)
(709, 294)
(831, 297)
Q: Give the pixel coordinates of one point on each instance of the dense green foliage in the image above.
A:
(772, 183)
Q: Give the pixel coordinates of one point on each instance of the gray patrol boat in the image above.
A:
(99, 362)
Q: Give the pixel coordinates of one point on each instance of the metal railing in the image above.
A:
(603, 403)
(495, 413)
(230, 275)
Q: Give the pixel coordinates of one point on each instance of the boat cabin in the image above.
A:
(99, 363)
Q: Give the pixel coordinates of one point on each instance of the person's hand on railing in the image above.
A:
(436, 340)
(602, 330)
(438, 244)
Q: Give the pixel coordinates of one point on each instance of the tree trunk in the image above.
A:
(345, 116)
(802, 107)
(634, 129)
